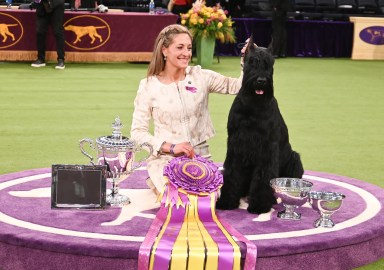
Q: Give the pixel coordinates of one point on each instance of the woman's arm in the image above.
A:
(218, 83)
(170, 5)
(141, 117)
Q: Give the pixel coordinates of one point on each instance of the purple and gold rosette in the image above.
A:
(197, 176)
(186, 233)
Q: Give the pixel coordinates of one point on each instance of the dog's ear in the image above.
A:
(250, 45)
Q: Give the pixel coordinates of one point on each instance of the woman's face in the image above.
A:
(179, 52)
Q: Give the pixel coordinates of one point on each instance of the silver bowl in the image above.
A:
(326, 203)
(293, 193)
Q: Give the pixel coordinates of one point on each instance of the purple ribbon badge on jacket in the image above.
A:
(191, 88)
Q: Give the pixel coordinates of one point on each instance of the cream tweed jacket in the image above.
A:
(179, 112)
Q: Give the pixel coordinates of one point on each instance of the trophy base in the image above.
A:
(325, 223)
(289, 215)
(117, 200)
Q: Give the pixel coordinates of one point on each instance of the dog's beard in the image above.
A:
(258, 87)
(262, 88)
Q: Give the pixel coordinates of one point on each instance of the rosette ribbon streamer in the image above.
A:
(186, 233)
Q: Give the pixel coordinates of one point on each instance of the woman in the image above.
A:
(175, 96)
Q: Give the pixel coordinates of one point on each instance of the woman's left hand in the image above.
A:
(184, 148)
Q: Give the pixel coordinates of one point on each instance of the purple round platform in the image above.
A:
(33, 236)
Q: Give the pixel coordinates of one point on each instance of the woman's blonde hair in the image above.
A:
(164, 39)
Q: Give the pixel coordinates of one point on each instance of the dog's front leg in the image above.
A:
(230, 192)
(261, 196)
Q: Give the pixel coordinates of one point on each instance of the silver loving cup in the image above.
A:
(118, 154)
(293, 193)
(326, 203)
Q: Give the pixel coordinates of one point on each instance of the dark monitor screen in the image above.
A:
(78, 186)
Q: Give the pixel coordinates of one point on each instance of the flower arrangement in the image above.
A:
(205, 22)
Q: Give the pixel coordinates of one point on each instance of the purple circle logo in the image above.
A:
(373, 35)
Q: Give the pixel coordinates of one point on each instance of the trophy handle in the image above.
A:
(81, 145)
(140, 162)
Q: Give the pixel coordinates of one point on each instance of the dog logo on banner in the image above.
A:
(373, 35)
(87, 32)
(11, 30)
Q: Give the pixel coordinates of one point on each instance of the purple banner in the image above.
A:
(87, 32)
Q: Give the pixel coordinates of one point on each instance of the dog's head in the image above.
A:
(68, 27)
(258, 73)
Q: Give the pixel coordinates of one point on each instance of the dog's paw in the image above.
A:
(257, 209)
(226, 205)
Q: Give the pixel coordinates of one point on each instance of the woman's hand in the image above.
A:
(184, 148)
(243, 49)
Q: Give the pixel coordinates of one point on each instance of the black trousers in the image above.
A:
(43, 21)
(279, 32)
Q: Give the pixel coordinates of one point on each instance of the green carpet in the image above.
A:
(333, 109)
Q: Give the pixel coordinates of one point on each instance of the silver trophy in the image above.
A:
(326, 203)
(118, 154)
(293, 193)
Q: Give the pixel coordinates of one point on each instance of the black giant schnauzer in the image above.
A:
(258, 147)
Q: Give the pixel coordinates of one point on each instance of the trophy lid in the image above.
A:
(115, 141)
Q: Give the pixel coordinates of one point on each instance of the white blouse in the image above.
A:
(179, 111)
